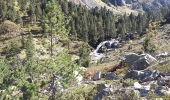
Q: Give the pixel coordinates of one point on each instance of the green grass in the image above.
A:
(165, 68)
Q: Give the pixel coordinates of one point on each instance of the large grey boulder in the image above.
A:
(138, 62)
(131, 58)
(145, 75)
(141, 64)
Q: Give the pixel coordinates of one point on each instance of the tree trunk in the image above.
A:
(51, 40)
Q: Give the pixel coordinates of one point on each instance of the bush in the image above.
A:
(79, 93)
(8, 29)
(148, 46)
(29, 90)
(12, 49)
(84, 55)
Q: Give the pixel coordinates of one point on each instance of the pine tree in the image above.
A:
(100, 28)
(55, 21)
(32, 11)
(12, 11)
(38, 11)
(23, 5)
(139, 23)
(29, 47)
(84, 55)
(84, 29)
(3, 9)
(133, 21)
(65, 7)
(73, 30)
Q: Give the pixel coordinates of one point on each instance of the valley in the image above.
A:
(84, 50)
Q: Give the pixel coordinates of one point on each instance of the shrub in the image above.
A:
(12, 49)
(29, 90)
(8, 29)
(84, 55)
(148, 46)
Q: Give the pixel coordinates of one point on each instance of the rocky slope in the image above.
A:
(144, 76)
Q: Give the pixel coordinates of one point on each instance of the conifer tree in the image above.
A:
(12, 11)
(55, 21)
(32, 11)
(84, 55)
(3, 9)
(100, 28)
(84, 28)
(73, 30)
(29, 47)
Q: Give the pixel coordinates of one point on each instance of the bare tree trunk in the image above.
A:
(51, 40)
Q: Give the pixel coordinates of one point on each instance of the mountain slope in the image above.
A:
(124, 6)
(99, 3)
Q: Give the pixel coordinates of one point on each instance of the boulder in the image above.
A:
(97, 76)
(143, 89)
(162, 90)
(164, 81)
(110, 76)
(145, 75)
(138, 62)
(103, 90)
(141, 64)
(131, 58)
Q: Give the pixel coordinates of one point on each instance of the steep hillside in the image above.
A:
(99, 3)
(124, 6)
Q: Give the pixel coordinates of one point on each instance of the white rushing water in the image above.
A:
(95, 55)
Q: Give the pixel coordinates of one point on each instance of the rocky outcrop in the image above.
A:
(138, 62)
